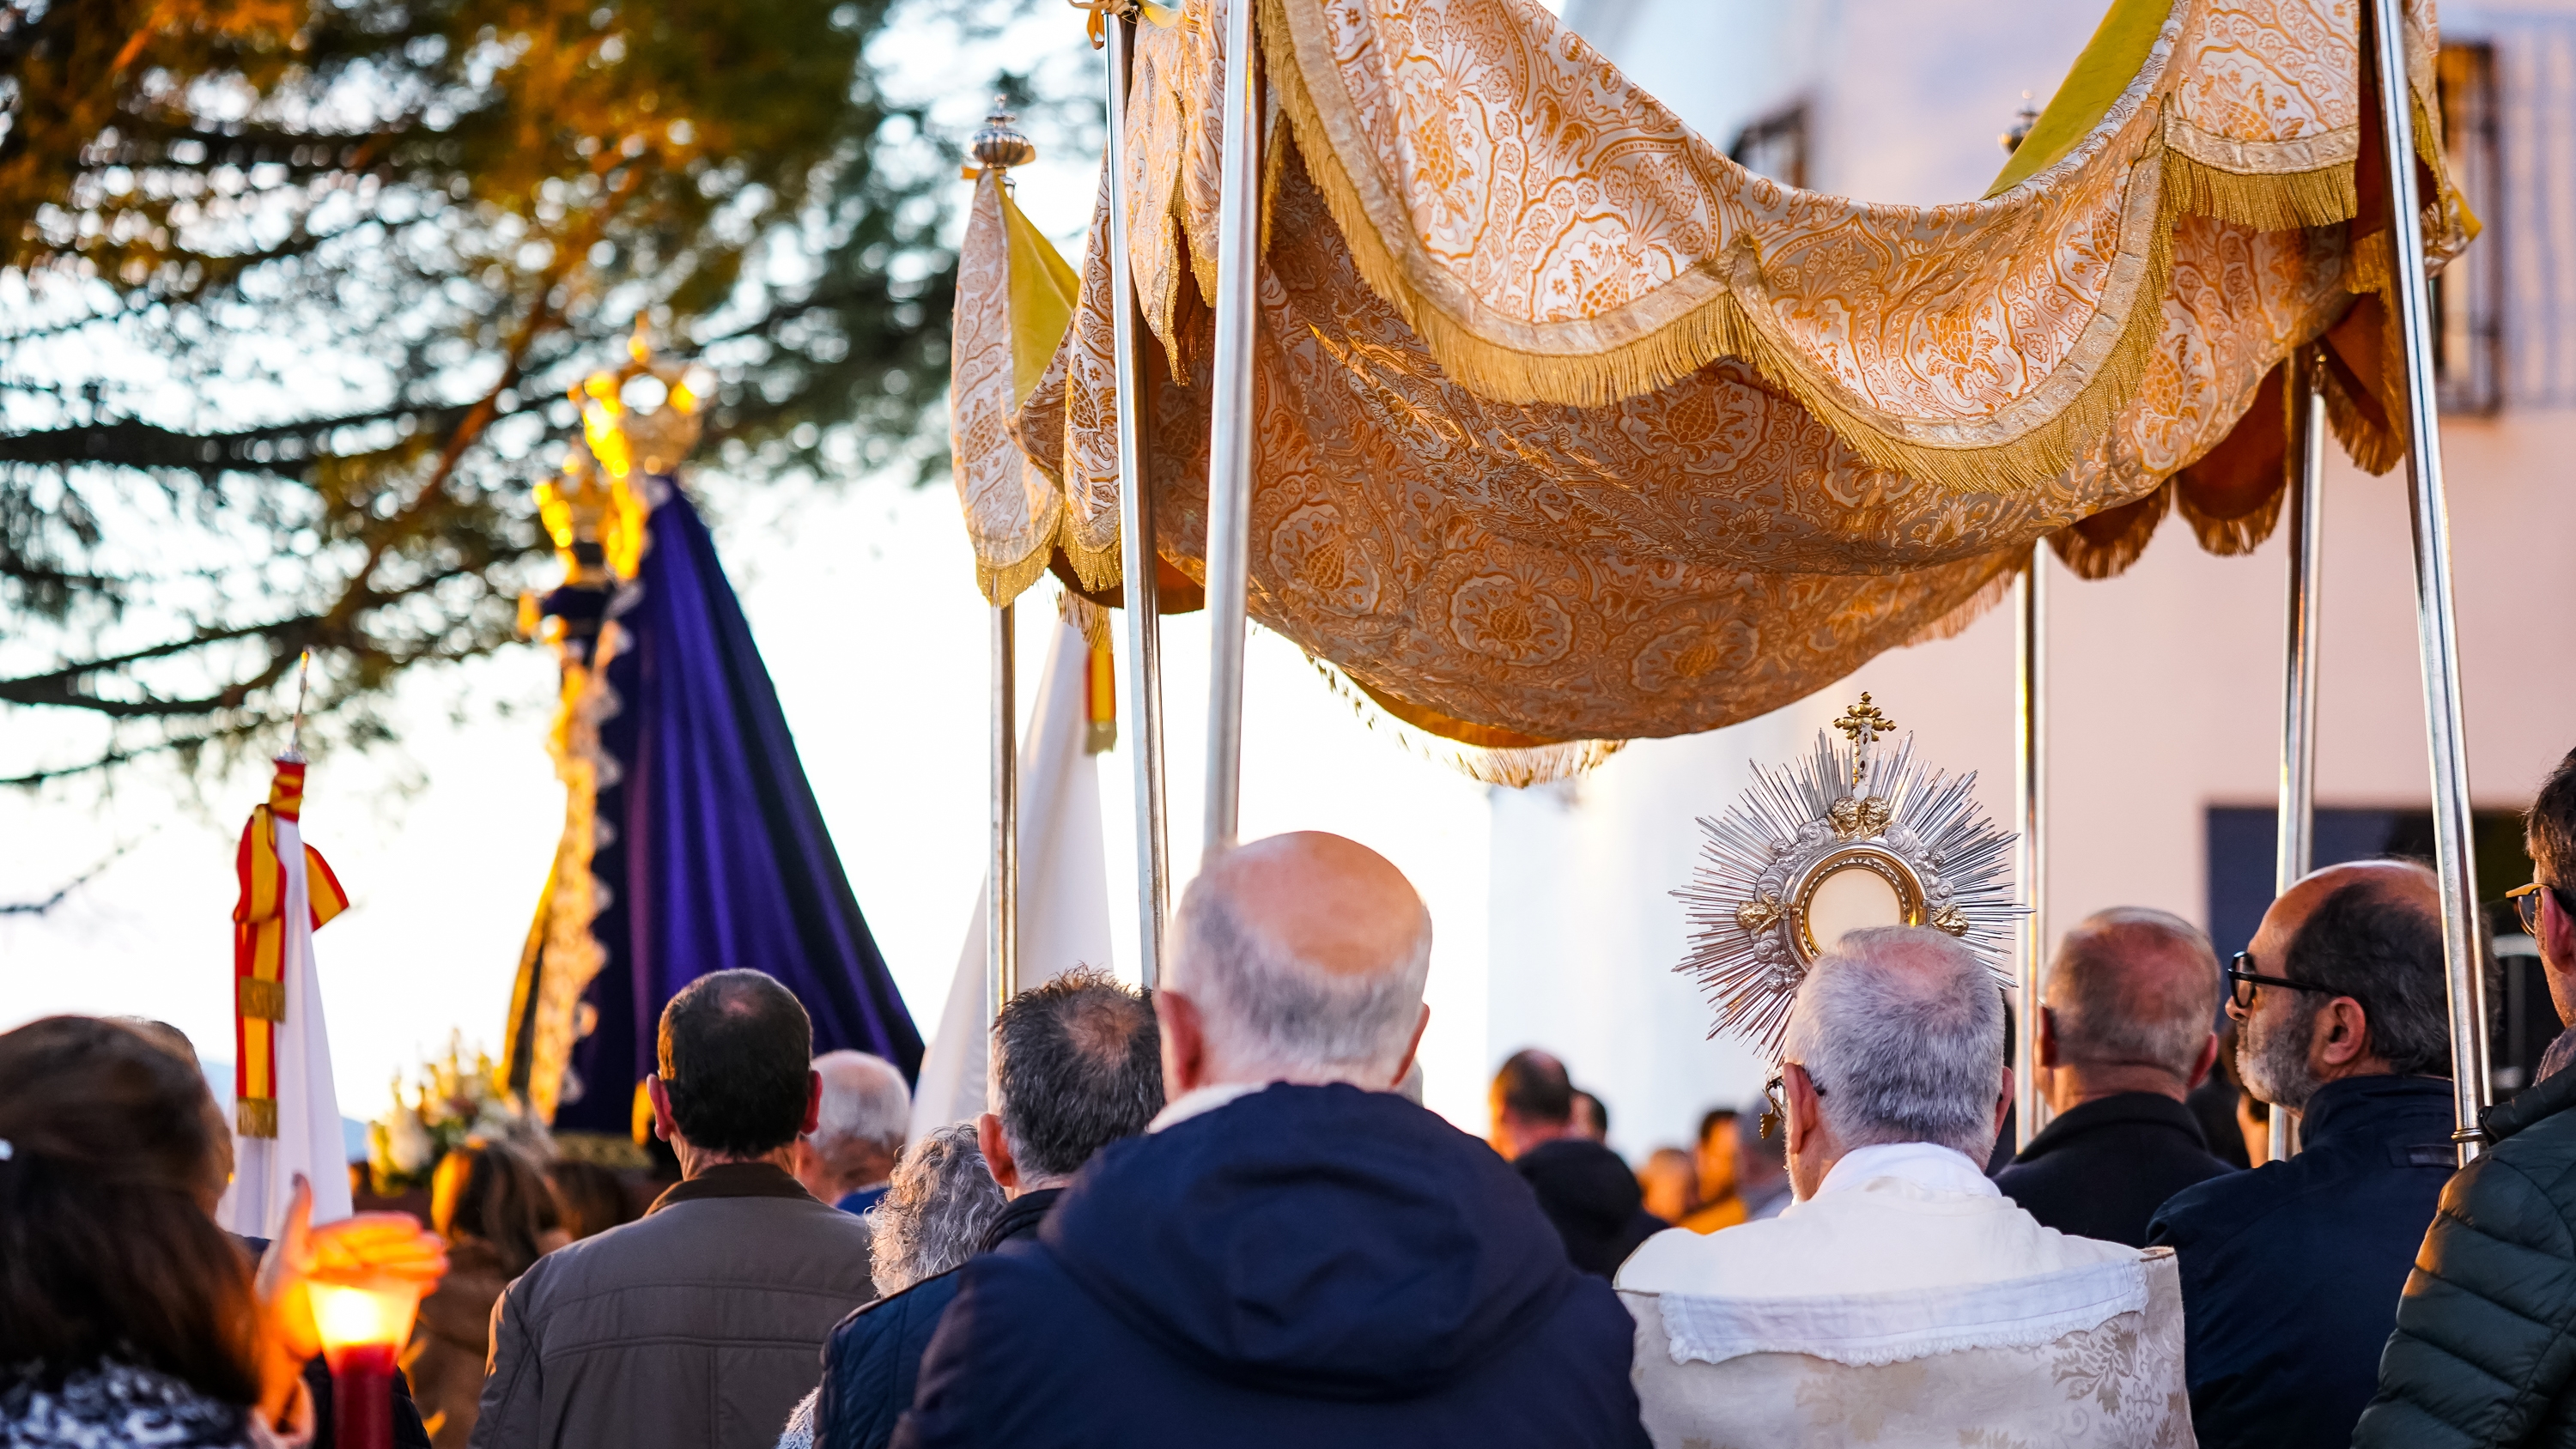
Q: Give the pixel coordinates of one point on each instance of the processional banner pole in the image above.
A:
(1229, 538)
(2295, 835)
(2435, 628)
(1002, 902)
(1136, 545)
(2030, 790)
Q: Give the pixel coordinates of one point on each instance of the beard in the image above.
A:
(2272, 1057)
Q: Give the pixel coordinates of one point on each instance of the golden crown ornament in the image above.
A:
(1856, 834)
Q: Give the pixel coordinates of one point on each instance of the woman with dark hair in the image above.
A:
(594, 1198)
(127, 1318)
(498, 1215)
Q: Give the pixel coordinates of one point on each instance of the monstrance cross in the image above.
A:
(1861, 724)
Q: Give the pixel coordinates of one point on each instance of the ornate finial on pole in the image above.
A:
(1000, 146)
(2019, 131)
(303, 684)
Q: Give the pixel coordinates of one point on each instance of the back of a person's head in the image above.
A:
(2132, 986)
(865, 1106)
(2378, 939)
(2550, 829)
(592, 1196)
(1902, 1030)
(1533, 1086)
(736, 1048)
(1306, 954)
(490, 1193)
(936, 1210)
(1077, 1065)
(108, 1251)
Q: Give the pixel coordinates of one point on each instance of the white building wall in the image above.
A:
(2166, 681)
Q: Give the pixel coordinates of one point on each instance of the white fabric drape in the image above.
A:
(1064, 888)
(308, 1105)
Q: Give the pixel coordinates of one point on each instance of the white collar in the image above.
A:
(1935, 1169)
(1200, 1101)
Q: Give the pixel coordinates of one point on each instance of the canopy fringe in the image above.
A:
(1423, 733)
(2266, 203)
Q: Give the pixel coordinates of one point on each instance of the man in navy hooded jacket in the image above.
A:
(1293, 1255)
(2291, 1273)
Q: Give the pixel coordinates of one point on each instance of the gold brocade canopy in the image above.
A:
(1567, 426)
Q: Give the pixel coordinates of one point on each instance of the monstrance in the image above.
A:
(1857, 834)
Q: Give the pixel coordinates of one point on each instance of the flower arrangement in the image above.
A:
(449, 1100)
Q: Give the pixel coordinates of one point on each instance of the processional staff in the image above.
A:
(998, 146)
(2436, 629)
(1137, 549)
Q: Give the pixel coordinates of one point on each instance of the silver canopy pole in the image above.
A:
(2297, 812)
(1002, 902)
(2030, 791)
(2435, 628)
(1136, 547)
(1230, 445)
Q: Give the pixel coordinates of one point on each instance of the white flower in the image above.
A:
(407, 1142)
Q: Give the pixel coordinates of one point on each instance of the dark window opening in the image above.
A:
(2468, 310)
(1775, 146)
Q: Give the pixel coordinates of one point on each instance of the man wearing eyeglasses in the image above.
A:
(2291, 1273)
(2481, 1352)
(1902, 1299)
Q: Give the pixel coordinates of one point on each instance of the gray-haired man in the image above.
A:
(2125, 1032)
(858, 1130)
(1295, 1255)
(1077, 1066)
(1901, 1279)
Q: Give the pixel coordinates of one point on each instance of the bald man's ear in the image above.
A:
(1420, 1024)
(2200, 1069)
(1185, 1063)
(2343, 1037)
(2044, 1045)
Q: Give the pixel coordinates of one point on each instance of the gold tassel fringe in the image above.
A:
(2093, 558)
(2231, 537)
(1995, 590)
(1480, 752)
(2266, 203)
(255, 1116)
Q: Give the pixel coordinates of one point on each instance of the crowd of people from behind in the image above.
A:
(1218, 1213)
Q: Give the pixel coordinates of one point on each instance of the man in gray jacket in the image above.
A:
(700, 1323)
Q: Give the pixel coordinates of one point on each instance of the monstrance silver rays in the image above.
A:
(1857, 834)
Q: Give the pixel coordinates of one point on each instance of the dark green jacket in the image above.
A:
(2485, 1347)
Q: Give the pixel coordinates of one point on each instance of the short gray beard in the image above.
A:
(2272, 1059)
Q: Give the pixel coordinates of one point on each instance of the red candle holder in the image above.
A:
(363, 1327)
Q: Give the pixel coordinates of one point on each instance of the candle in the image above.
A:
(363, 1328)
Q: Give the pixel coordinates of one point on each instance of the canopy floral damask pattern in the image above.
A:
(1569, 427)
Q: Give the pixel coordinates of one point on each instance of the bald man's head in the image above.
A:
(2370, 930)
(2133, 987)
(1307, 954)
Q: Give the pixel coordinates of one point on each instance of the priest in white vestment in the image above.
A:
(1902, 1300)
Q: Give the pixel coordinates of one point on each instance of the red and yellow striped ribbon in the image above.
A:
(259, 947)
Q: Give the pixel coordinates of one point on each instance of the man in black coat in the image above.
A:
(1293, 1255)
(1077, 1065)
(2124, 1035)
(2482, 1352)
(1582, 1186)
(2291, 1272)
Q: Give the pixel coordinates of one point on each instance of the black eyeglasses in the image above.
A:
(2242, 981)
(2526, 905)
(1773, 1094)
